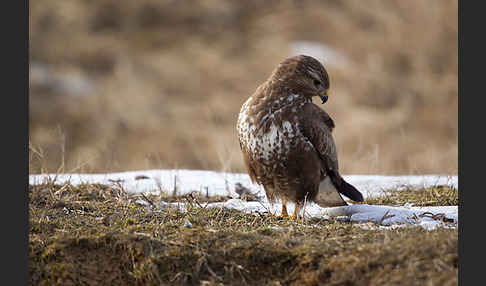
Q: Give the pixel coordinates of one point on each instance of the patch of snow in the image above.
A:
(213, 183)
(222, 183)
(374, 185)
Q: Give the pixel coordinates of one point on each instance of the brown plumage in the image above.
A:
(286, 140)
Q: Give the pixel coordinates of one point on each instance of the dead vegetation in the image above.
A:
(434, 196)
(120, 85)
(96, 234)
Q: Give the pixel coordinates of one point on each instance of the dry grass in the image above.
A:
(96, 234)
(118, 85)
(433, 196)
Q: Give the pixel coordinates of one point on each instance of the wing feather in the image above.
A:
(317, 126)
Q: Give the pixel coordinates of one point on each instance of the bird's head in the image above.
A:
(305, 74)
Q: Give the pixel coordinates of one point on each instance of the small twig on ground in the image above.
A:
(141, 177)
(194, 199)
(268, 210)
(385, 216)
(303, 210)
(148, 200)
(439, 216)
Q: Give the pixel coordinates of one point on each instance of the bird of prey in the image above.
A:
(286, 139)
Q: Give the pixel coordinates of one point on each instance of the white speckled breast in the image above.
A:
(266, 144)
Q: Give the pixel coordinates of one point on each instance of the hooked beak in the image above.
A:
(324, 96)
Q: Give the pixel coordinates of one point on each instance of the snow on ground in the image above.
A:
(212, 183)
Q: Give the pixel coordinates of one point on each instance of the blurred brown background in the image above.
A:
(126, 85)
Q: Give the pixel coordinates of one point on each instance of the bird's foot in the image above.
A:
(283, 213)
(295, 214)
(275, 216)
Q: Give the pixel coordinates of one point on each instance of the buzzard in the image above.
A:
(286, 139)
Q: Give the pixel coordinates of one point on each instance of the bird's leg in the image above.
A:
(284, 213)
(295, 215)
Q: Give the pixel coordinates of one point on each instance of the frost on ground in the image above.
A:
(210, 183)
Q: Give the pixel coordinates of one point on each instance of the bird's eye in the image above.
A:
(317, 83)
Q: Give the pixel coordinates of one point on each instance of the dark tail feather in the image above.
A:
(351, 192)
(345, 188)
